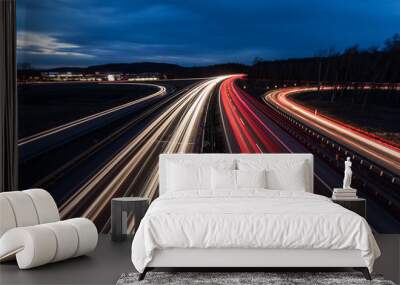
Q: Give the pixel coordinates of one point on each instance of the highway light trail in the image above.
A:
(134, 170)
(56, 130)
(260, 134)
(252, 126)
(250, 132)
(366, 145)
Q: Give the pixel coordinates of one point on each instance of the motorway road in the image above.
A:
(248, 128)
(133, 171)
(64, 165)
(36, 144)
(365, 144)
(120, 158)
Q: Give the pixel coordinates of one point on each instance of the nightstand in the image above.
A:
(120, 208)
(357, 205)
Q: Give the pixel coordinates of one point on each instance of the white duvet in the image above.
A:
(252, 218)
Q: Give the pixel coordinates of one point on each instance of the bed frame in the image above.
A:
(243, 259)
(246, 258)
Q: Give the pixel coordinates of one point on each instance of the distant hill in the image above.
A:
(171, 70)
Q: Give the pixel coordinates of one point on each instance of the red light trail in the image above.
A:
(241, 110)
(368, 145)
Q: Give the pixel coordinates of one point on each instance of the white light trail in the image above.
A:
(181, 123)
(58, 129)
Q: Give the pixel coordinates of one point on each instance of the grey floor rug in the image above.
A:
(233, 278)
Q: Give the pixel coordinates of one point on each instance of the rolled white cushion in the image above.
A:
(37, 245)
(45, 205)
(251, 178)
(23, 208)
(33, 246)
(87, 235)
(7, 218)
(67, 240)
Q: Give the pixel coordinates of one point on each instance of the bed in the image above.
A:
(247, 210)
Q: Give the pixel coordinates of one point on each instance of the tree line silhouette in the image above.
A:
(352, 65)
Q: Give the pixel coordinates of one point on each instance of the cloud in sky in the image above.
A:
(41, 44)
(87, 32)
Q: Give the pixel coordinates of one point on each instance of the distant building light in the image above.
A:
(143, 78)
(110, 77)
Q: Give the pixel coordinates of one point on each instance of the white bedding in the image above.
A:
(251, 218)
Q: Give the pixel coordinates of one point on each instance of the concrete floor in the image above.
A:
(103, 266)
(389, 263)
(110, 260)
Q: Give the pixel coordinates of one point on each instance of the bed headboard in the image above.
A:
(197, 158)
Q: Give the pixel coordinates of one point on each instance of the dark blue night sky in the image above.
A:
(85, 32)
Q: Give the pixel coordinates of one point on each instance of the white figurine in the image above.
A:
(347, 174)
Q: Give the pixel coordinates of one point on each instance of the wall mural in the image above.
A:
(104, 87)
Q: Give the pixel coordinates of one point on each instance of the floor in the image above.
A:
(104, 266)
(389, 263)
(110, 260)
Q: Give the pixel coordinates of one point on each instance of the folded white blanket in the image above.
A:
(250, 218)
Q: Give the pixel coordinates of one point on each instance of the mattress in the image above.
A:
(250, 219)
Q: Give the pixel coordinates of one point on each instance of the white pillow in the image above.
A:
(223, 179)
(281, 175)
(291, 178)
(181, 177)
(251, 178)
(180, 172)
